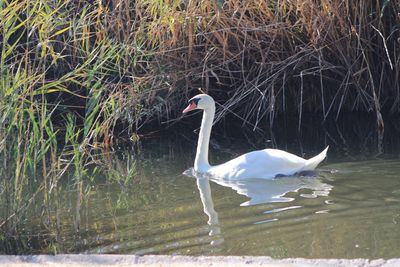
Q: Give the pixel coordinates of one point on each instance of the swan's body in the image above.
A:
(265, 164)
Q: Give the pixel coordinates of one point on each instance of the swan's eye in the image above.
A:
(194, 101)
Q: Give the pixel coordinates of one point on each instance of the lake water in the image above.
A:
(349, 209)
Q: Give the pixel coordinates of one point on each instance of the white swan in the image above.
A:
(265, 164)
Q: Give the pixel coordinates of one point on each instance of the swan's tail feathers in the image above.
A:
(313, 162)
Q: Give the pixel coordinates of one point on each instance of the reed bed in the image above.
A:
(76, 75)
(269, 57)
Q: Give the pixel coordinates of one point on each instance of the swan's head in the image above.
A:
(201, 101)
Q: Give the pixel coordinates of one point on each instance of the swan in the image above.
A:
(264, 164)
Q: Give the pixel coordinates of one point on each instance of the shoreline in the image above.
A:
(166, 260)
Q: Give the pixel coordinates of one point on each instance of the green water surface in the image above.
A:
(349, 209)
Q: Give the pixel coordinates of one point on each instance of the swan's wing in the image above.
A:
(265, 163)
(279, 158)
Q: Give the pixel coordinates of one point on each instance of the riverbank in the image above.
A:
(183, 261)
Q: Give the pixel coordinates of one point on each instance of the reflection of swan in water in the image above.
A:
(203, 185)
(258, 190)
(265, 191)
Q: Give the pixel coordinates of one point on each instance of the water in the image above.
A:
(349, 209)
(351, 213)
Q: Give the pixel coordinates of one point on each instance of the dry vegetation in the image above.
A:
(141, 59)
(269, 57)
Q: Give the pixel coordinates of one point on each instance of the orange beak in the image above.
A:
(191, 106)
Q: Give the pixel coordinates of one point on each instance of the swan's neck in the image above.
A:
(201, 162)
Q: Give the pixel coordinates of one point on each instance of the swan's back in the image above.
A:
(266, 164)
